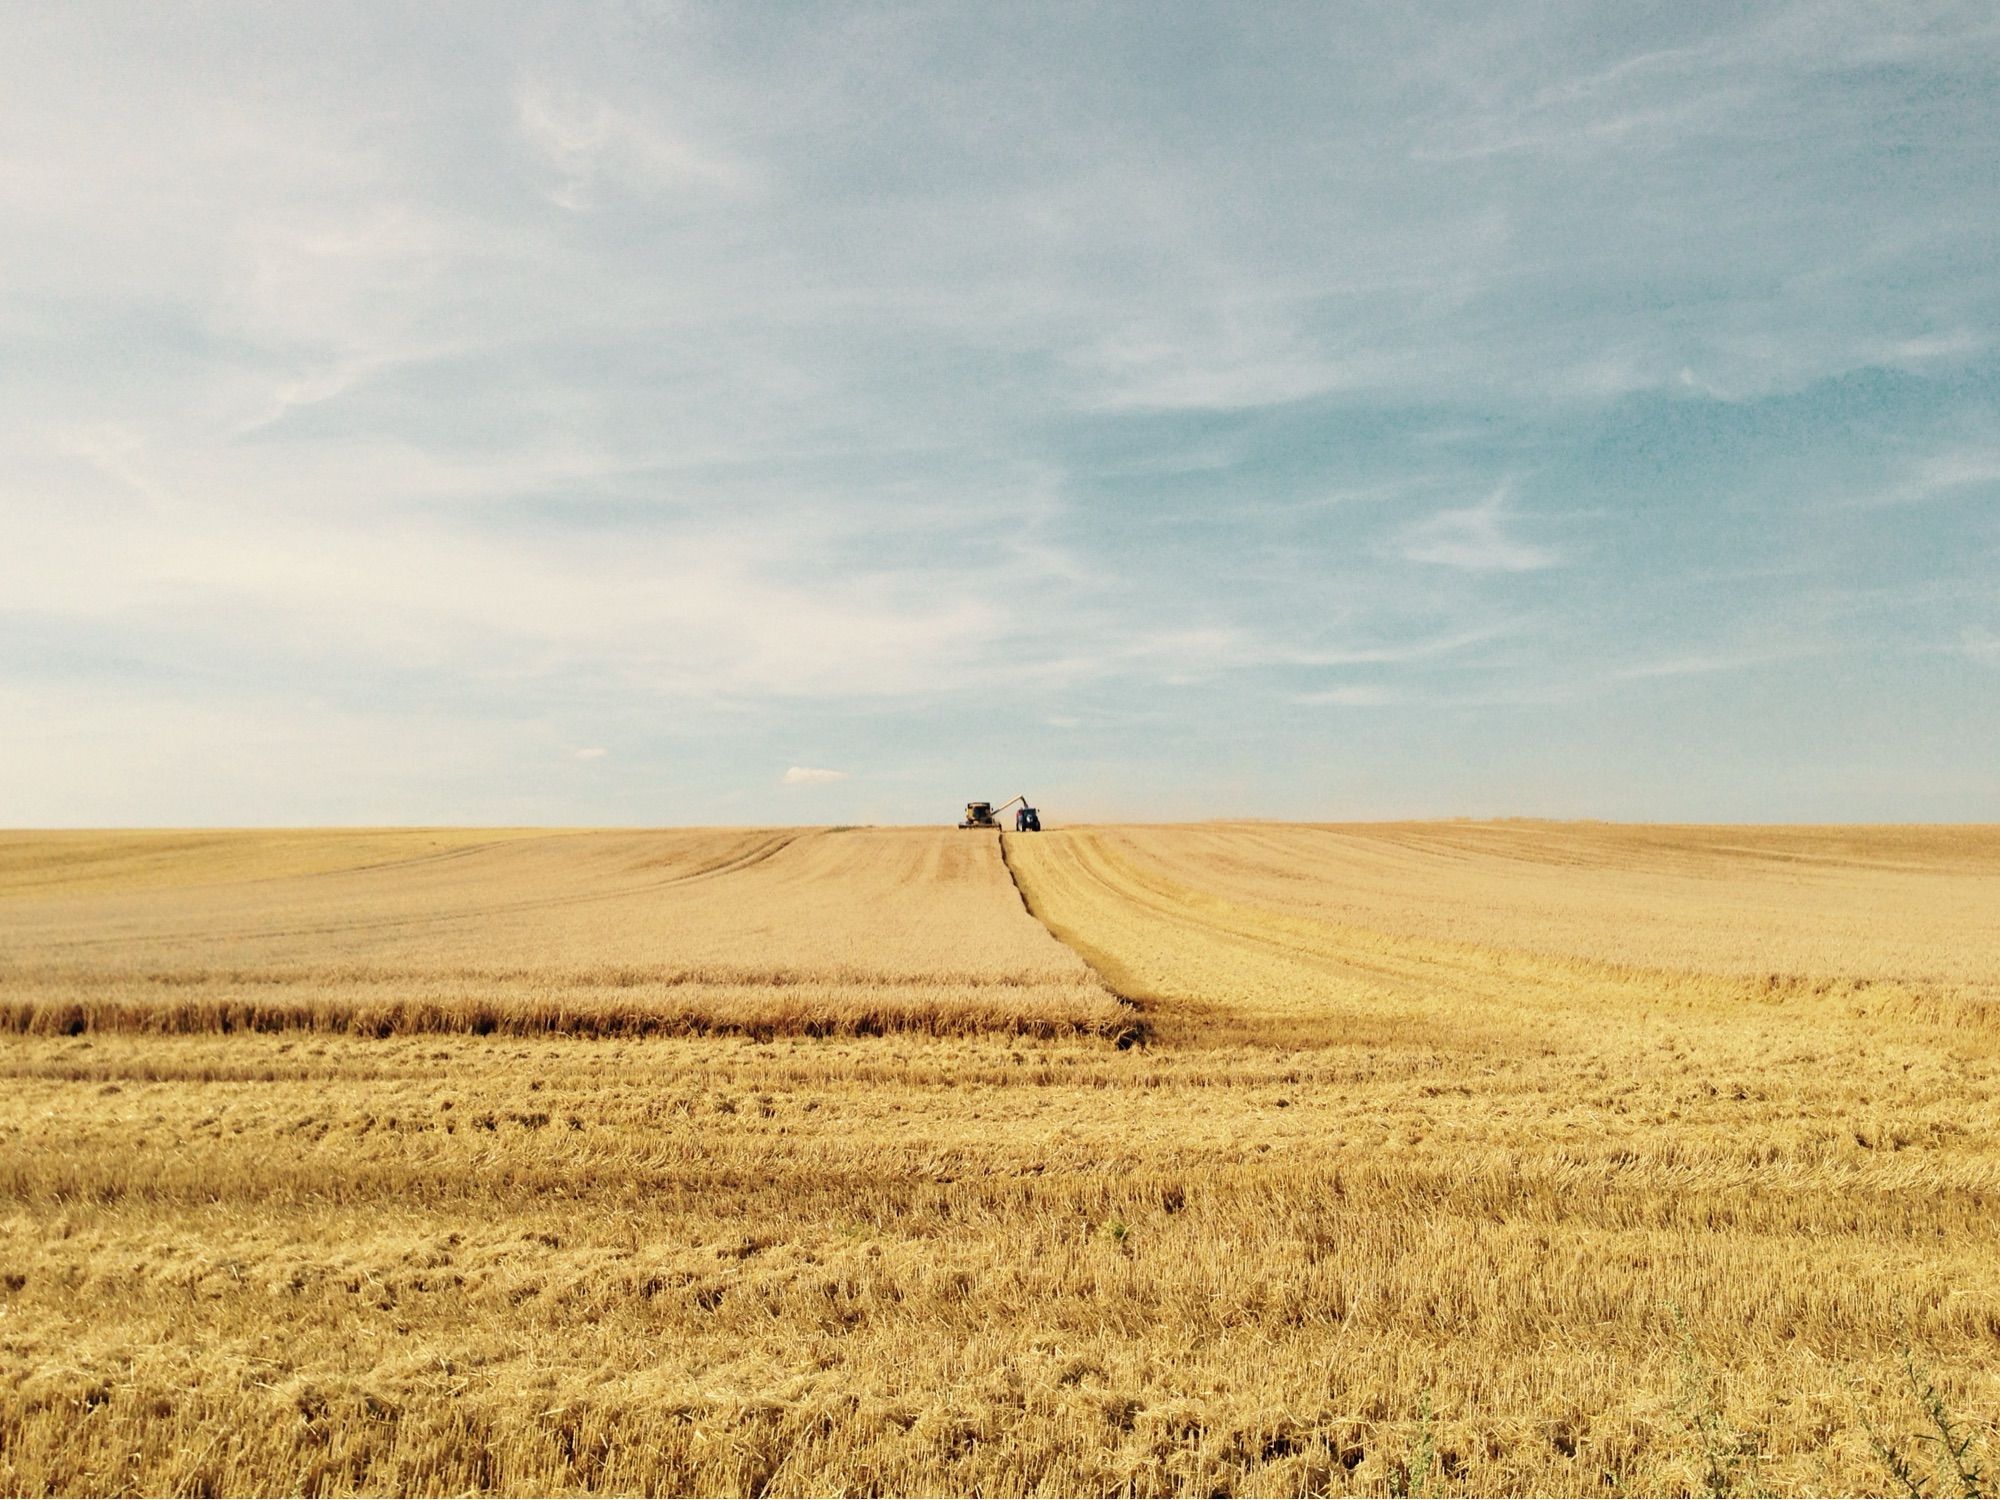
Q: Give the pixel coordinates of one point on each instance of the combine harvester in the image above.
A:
(986, 815)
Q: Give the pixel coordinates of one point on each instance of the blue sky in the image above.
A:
(736, 414)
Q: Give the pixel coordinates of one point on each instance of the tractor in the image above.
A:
(986, 815)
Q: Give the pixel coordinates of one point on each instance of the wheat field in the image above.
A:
(1233, 1158)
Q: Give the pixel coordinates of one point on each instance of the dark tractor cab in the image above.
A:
(1027, 820)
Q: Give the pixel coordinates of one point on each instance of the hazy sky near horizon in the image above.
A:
(722, 414)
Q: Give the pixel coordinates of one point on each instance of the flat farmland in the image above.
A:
(1447, 1157)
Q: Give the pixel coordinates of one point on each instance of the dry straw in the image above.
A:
(1460, 1159)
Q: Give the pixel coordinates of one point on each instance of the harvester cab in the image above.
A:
(986, 815)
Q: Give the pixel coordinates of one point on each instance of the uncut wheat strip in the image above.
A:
(814, 1011)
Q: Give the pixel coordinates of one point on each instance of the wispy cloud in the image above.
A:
(591, 752)
(1927, 348)
(1417, 649)
(592, 144)
(1942, 476)
(1702, 664)
(1475, 538)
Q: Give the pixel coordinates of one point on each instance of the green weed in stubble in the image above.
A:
(1958, 1468)
(1892, 1457)
(1413, 1476)
(1952, 1436)
(1723, 1450)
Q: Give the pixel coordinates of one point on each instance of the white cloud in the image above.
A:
(811, 776)
(592, 752)
(1192, 366)
(1353, 695)
(590, 141)
(1926, 348)
(686, 608)
(1945, 474)
(1474, 538)
(1705, 665)
(1401, 651)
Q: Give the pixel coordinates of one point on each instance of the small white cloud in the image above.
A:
(1981, 646)
(811, 776)
(1696, 666)
(1474, 538)
(1700, 386)
(592, 752)
(1954, 345)
(1352, 695)
(1961, 470)
(591, 143)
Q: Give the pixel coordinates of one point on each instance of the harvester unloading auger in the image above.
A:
(986, 815)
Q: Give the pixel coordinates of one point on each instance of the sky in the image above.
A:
(627, 414)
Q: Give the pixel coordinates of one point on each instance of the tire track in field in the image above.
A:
(1108, 972)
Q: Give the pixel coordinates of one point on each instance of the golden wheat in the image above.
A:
(1470, 1158)
(819, 932)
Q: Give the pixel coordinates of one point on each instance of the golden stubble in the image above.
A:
(1436, 1171)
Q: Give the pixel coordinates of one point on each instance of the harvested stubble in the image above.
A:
(1568, 1217)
